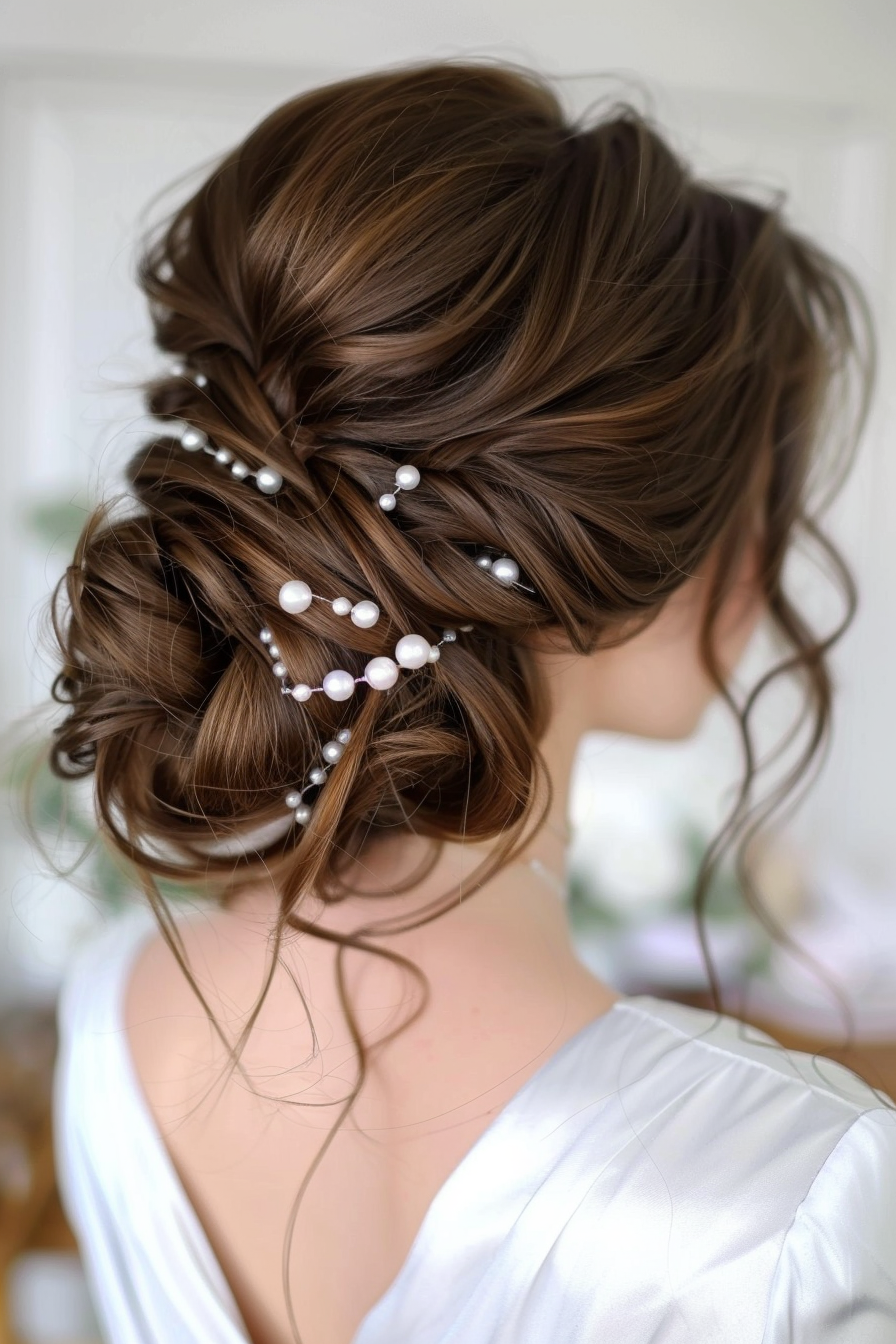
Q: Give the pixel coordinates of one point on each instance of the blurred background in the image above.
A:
(109, 115)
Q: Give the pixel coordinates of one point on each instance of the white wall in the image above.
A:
(102, 103)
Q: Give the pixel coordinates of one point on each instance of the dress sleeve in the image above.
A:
(835, 1281)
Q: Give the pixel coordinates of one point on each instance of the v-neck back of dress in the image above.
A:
(657, 1144)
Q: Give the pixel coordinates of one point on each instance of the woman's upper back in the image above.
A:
(663, 1173)
(498, 1006)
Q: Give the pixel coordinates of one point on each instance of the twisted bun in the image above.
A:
(591, 358)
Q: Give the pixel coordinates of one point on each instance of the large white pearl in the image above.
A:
(295, 596)
(412, 651)
(339, 684)
(381, 673)
(303, 814)
(331, 751)
(301, 691)
(386, 501)
(268, 480)
(342, 606)
(278, 669)
(365, 614)
(193, 439)
(505, 570)
(407, 478)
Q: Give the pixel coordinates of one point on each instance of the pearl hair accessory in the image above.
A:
(411, 651)
(331, 752)
(296, 597)
(381, 672)
(267, 479)
(406, 478)
(502, 568)
(180, 370)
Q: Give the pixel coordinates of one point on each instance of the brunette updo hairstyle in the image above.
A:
(601, 366)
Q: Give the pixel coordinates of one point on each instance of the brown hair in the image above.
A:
(594, 359)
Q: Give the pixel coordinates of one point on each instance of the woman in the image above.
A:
(488, 430)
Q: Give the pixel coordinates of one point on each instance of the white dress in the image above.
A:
(666, 1177)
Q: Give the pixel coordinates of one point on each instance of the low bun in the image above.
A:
(175, 710)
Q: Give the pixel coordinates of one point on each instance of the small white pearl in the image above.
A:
(223, 456)
(505, 570)
(279, 669)
(331, 751)
(266, 635)
(239, 470)
(339, 684)
(200, 380)
(193, 439)
(274, 651)
(295, 596)
(449, 636)
(301, 691)
(365, 614)
(435, 653)
(484, 561)
(303, 814)
(381, 673)
(318, 776)
(342, 606)
(178, 368)
(386, 501)
(407, 478)
(465, 628)
(268, 480)
(293, 798)
(344, 735)
(412, 651)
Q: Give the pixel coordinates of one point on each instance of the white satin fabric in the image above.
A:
(666, 1177)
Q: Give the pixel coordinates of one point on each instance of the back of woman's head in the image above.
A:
(601, 367)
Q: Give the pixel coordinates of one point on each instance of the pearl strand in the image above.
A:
(381, 673)
(407, 477)
(331, 752)
(295, 597)
(266, 478)
(193, 440)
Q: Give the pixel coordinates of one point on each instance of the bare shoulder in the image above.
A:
(176, 1011)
